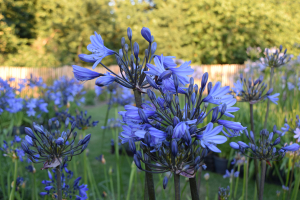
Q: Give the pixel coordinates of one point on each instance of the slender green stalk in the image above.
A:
(35, 187)
(1, 176)
(118, 165)
(105, 122)
(74, 166)
(247, 176)
(136, 184)
(149, 176)
(8, 182)
(58, 183)
(262, 181)
(296, 186)
(111, 184)
(268, 104)
(255, 192)
(231, 188)
(256, 166)
(130, 180)
(194, 188)
(236, 183)
(278, 173)
(292, 174)
(12, 193)
(85, 176)
(183, 189)
(105, 174)
(207, 191)
(177, 186)
(244, 181)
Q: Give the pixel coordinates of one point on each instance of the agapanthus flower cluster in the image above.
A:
(83, 121)
(34, 105)
(69, 189)
(253, 52)
(52, 147)
(12, 149)
(33, 82)
(275, 58)
(239, 159)
(8, 99)
(65, 90)
(252, 91)
(265, 148)
(168, 131)
(224, 193)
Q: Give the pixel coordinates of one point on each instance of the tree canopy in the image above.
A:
(52, 33)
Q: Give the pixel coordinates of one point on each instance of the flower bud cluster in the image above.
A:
(224, 193)
(265, 148)
(277, 58)
(253, 91)
(52, 147)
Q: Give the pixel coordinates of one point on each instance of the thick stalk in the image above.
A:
(118, 165)
(268, 104)
(262, 181)
(149, 176)
(194, 188)
(199, 179)
(130, 181)
(12, 193)
(292, 174)
(231, 188)
(58, 183)
(255, 160)
(177, 186)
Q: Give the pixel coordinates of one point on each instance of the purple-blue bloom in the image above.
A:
(84, 74)
(146, 33)
(105, 80)
(292, 147)
(274, 98)
(99, 51)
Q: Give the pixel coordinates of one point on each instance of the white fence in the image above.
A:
(223, 73)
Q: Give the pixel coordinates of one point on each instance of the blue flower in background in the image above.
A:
(274, 98)
(98, 90)
(99, 51)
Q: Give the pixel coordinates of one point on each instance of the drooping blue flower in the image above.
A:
(229, 109)
(274, 98)
(231, 174)
(238, 87)
(99, 51)
(218, 94)
(84, 74)
(293, 147)
(105, 80)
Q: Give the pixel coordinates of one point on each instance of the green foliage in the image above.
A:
(53, 33)
(90, 97)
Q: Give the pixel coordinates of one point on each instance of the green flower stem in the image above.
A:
(256, 166)
(85, 177)
(93, 185)
(58, 183)
(74, 166)
(8, 181)
(268, 104)
(105, 123)
(296, 186)
(247, 176)
(105, 175)
(111, 184)
(183, 189)
(1, 176)
(292, 174)
(118, 165)
(207, 191)
(12, 193)
(231, 188)
(149, 176)
(136, 183)
(177, 186)
(194, 188)
(236, 183)
(130, 180)
(262, 181)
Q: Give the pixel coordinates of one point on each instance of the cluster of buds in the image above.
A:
(52, 147)
(223, 193)
(253, 91)
(276, 59)
(264, 148)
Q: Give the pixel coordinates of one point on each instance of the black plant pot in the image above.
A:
(210, 162)
(220, 165)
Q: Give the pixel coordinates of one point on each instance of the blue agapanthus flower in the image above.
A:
(98, 50)
(165, 128)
